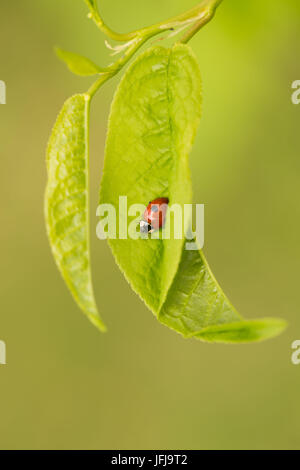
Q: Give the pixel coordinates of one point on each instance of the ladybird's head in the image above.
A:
(144, 226)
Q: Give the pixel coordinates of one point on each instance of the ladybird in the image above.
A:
(154, 215)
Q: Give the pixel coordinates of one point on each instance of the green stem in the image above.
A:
(210, 13)
(96, 17)
(112, 70)
(97, 84)
(196, 13)
(197, 16)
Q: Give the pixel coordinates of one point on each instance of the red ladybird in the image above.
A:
(154, 215)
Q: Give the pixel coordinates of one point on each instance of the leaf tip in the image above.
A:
(98, 323)
(246, 331)
(58, 51)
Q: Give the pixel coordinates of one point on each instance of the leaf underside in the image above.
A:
(152, 125)
(66, 202)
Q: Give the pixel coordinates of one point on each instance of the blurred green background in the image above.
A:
(142, 385)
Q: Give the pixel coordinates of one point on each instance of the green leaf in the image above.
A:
(66, 202)
(195, 300)
(153, 121)
(78, 64)
(197, 306)
(243, 331)
(154, 118)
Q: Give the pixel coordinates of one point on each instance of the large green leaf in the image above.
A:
(153, 122)
(66, 202)
(152, 125)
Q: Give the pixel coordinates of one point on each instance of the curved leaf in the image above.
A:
(197, 306)
(78, 64)
(195, 300)
(66, 202)
(153, 122)
(245, 331)
(152, 125)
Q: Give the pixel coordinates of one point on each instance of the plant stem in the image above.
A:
(204, 9)
(197, 16)
(112, 70)
(203, 21)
